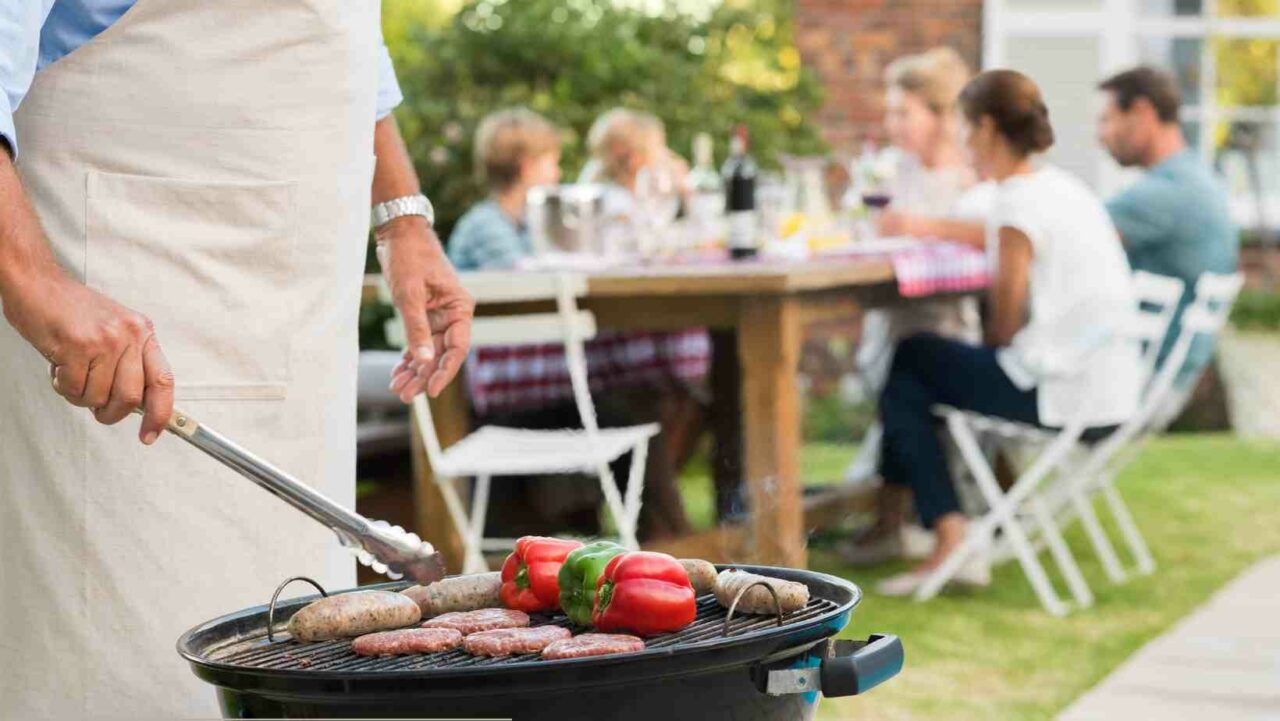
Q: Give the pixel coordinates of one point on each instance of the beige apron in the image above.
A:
(207, 163)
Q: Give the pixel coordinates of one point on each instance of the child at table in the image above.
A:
(515, 150)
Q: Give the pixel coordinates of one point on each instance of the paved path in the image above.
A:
(1221, 663)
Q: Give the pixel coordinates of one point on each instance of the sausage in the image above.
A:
(702, 575)
(485, 619)
(353, 614)
(458, 593)
(593, 644)
(506, 641)
(793, 596)
(407, 640)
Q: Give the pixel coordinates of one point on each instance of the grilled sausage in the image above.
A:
(407, 640)
(457, 593)
(353, 614)
(793, 596)
(506, 641)
(486, 619)
(702, 575)
(593, 644)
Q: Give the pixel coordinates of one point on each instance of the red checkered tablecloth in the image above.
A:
(503, 379)
(936, 267)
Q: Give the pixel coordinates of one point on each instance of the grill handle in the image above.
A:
(856, 667)
(837, 668)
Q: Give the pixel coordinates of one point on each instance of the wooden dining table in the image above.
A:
(758, 313)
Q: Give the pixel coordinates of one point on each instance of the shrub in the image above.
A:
(700, 66)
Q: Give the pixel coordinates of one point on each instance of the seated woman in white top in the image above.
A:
(1062, 282)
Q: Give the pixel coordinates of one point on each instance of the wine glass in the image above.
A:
(657, 205)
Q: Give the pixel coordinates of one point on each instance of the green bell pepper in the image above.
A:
(578, 577)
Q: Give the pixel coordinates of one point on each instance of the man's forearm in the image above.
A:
(24, 253)
(394, 177)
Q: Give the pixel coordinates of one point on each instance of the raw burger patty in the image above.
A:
(593, 644)
(407, 640)
(485, 619)
(506, 641)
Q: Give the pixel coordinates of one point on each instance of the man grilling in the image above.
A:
(183, 204)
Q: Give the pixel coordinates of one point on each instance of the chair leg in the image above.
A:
(635, 484)
(1097, 537)
(458, 514)
(475, 562)
(613, 499)
(1128, 528)
(1066, 563)
(1002, 515)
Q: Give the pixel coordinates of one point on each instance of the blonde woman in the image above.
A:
(932, 179)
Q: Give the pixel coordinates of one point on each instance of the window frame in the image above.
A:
(1122, 27)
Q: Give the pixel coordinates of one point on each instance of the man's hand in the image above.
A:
(435, 308)
(104, 356)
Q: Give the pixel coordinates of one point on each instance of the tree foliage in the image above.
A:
(698, 65)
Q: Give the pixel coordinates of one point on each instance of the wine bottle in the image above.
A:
(707, 203)
(739, 174)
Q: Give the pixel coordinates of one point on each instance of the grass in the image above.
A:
(1206, 504)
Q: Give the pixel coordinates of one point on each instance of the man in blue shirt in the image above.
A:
(1175, 220)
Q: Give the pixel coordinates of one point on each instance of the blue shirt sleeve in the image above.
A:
(389, 95)
(1145, 214)
(20, 23)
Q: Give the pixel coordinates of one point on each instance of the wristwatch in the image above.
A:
(384, 213)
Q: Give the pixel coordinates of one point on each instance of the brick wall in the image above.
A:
(849, 43)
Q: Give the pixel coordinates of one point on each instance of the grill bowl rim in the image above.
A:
(803, 632)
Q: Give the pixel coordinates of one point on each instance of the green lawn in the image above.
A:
(1208, 505)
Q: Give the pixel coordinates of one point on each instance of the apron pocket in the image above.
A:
(210, 264)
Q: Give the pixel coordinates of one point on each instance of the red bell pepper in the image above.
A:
(644, 593)
(530, 574)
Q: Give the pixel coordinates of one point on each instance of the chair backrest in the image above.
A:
(1206, 316)
(568, 325)
(1158, 297)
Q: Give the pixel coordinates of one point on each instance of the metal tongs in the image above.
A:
(385, 548)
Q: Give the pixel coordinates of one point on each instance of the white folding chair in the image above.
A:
(1025, 501)
(1205, 317)
(1068, 486)
(497, 451)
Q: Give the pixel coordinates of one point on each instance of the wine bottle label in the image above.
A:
(742, 229)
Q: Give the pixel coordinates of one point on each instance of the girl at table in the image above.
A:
(516, 150)
(931, 179)
(623, 144)
(1062, 279)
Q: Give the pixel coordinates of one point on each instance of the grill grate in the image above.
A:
(290, 655)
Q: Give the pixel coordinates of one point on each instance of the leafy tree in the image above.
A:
(698, 65)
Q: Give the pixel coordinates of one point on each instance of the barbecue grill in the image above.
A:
(719, 667)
